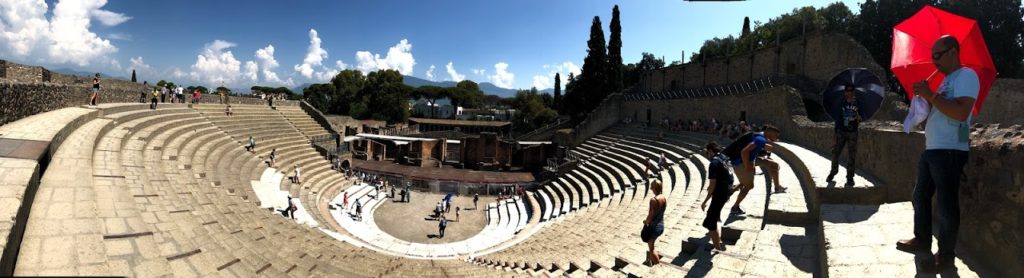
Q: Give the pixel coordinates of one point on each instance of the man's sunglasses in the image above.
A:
(937, 55)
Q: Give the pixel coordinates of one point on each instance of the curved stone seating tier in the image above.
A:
(504, 219)
(165, 192)
(757, 242)
(572, 232)
(138, 192)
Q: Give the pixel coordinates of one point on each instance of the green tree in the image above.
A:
(1002, 25)
(385, 96)
(467, 94)
(431, 94)
(593, 79)
(649, 62)
(161, 83)
(557, 100)
(320, 96)
(531, 111)
(615, 53)
(348, 84)
(746, 27)
(133, 76)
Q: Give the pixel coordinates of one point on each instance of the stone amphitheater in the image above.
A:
(119, 189)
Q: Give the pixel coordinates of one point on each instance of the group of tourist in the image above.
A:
(939, 170)
(739, 159)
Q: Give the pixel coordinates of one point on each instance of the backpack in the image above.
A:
(733, 150)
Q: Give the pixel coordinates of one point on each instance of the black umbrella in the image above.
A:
(868, 86)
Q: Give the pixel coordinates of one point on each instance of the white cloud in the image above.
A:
(217, 65)
(567, 67)
(399, 58)
(267, 64)
(63, 38)
(454, 74)
(542, 82)
(314, 55)
(502, 77)
(109, 18)
(325, 75)
(120, 36)
(479, 72)
(250, 71)
(430, 73)
(140, 66)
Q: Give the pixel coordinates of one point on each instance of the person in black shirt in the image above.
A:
(720, 188)
(846, 135)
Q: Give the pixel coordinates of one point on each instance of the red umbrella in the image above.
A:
(912, 43)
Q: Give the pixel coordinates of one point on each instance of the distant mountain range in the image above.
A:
(486, 87)
(89, 74)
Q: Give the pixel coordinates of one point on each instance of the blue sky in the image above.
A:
(514, 44)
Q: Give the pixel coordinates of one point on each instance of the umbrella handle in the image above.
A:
(929, 79)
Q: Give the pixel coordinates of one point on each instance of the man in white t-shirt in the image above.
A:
(947, 142)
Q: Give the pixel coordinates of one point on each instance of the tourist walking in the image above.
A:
(744, 154)
(947, 143)
(153, 98)
(720, 184)
(476, 198)
(144, 92)
(273, 157)
(654, 224)
(228, 111)
(95, 95)
(457, 210)
(297, 176)
(344, 201)
(846, 135)
(251, 147)
(291, 207)
(163, 93)
(179, 94)
(359, 210)
(441, 225)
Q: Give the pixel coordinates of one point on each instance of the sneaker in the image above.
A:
(913, 246)
(737, 211)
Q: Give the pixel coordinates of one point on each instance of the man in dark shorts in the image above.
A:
(720, 183)
(744, 153)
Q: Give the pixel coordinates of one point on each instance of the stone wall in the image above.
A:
(19, 100)
(1004, 104)
(606, 114)
(816, 56)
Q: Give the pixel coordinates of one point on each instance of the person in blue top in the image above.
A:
(847, 122)
(743, 154)
(947, 142)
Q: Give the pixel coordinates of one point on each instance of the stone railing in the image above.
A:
(741, 88)
(607, 113)
(545, 132)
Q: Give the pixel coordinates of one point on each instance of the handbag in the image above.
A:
(645, 233)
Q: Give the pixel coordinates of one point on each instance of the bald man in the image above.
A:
(947, 142)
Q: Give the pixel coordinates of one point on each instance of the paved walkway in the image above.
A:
(268, 191)
(860, 241)
(64, 235)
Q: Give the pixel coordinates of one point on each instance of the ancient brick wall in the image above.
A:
(816, 56)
